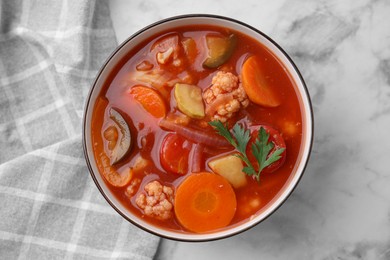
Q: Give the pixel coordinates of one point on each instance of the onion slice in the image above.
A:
(197, 155)
(195, 136)
(213, 106)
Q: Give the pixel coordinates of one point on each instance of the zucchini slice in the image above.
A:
(220, 50)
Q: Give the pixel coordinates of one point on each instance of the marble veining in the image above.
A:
(341, 208)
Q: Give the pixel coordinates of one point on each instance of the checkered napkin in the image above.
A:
(50, 52)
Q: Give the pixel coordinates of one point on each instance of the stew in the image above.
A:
(197, 129)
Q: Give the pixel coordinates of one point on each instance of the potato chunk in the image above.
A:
(230, 167)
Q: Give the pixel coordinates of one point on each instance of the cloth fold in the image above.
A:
(50, 52)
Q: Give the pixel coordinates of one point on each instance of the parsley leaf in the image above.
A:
(222, 130)
(242, 137)
(249, 171)
(261, 147)
(275, 156)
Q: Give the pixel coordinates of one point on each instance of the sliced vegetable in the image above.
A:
(220, 49)
(256, 85)
(150, 100)
(195, 135)
(189, 100)
(174, 154)
(197, 158)
(205, 202)
(123, 137)
(230, 167)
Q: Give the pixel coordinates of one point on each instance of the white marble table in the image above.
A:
(341, 208)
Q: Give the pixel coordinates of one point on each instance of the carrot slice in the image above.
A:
(150, 100)
(256, 86)
(205, 202)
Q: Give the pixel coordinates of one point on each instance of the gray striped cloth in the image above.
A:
(50, 208)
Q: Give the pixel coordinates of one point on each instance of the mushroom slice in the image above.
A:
(123, 145)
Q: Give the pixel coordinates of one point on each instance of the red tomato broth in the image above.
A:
(141, 123)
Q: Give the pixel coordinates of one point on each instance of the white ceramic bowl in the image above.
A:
(170, 23)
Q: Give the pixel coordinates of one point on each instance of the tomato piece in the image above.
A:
(275, 138)
(174, 154)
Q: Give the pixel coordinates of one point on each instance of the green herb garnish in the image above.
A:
(239, 138)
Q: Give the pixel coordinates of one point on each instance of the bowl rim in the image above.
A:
(170, 19)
